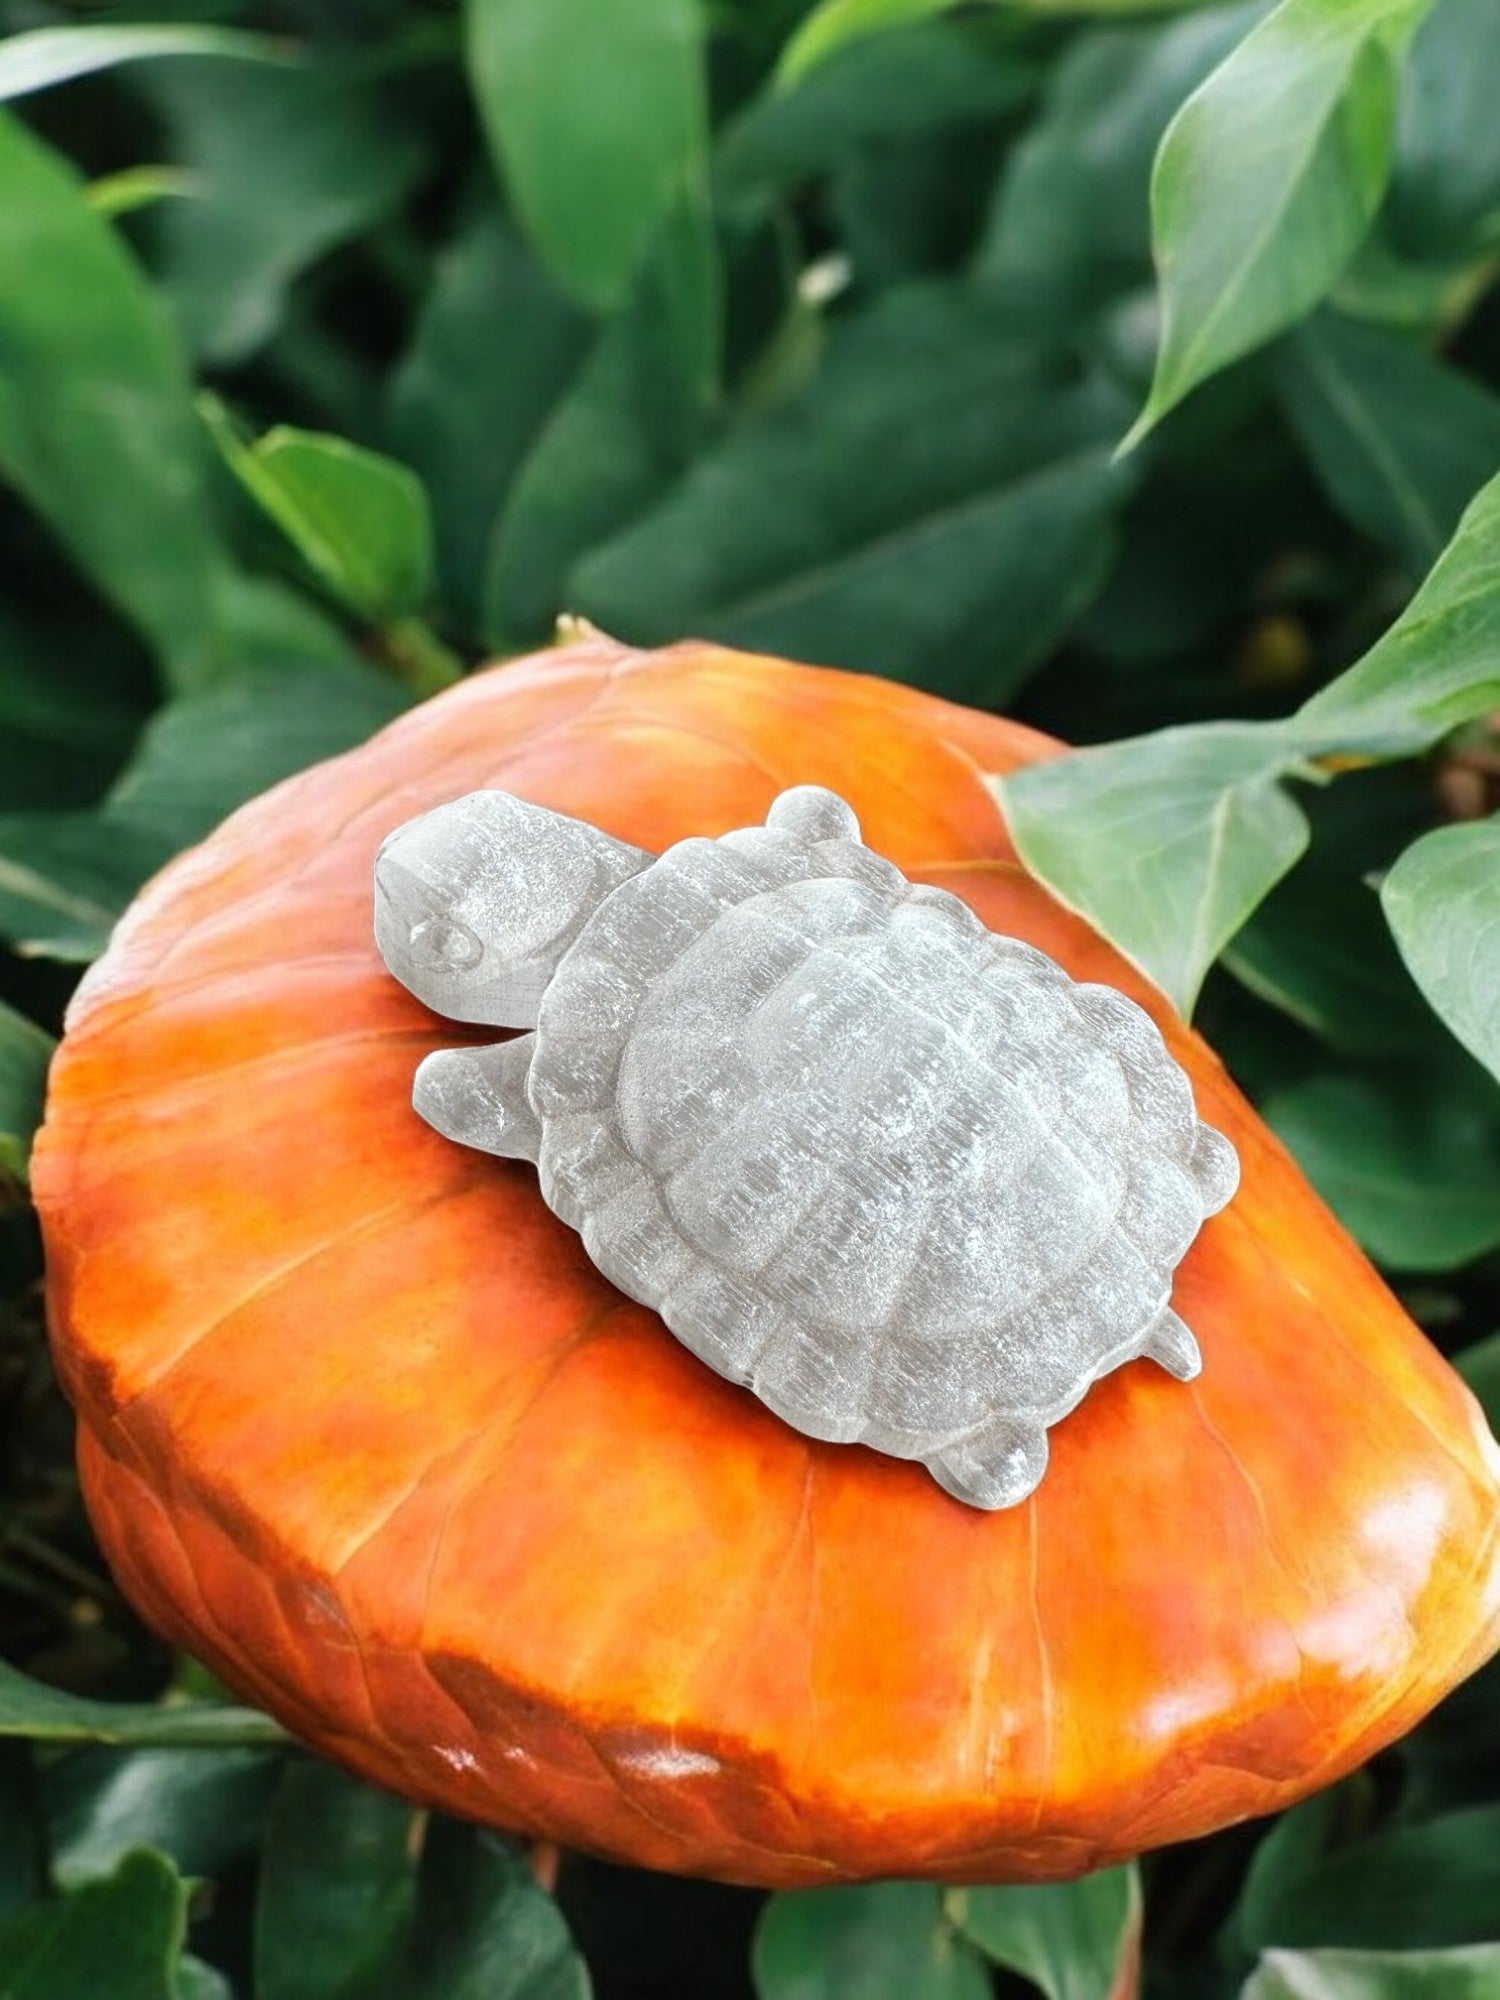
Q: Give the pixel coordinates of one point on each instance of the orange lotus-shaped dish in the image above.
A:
(362, 1426)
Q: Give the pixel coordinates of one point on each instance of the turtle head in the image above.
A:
(477, 901)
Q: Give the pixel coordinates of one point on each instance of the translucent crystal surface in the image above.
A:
(905, 1179)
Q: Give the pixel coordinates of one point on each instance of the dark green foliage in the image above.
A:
(341, 340)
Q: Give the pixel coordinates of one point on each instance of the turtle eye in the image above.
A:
(441, 944)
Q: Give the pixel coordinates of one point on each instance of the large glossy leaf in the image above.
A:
(202, 755)
(25, 1051)
(1435, 1883)
(1401, 442)
(836, 24)
(630, 420)
(205, 1808)
(1407, 1156)
(1167, 842)
(1437, 666)
(344, 156)
(43, 57)
(23, 1849)
(1464, 1974)
(337, 1888)
(595, 110)
(198, 1981)
(358, 519)
(121, 1937)
(1445, 193)
(907, 84)
(1267, 180)
(886, 1941)
(1075, 1940)
(347, 1911)
(1480, 1367)
(1070, 227)
(95, 407)
(1294, 1842)
(495, 347)
(66, 722)
(65, 877)
(29, 1709)
(1318, 948)
(484, 1929)
(1442, 900)
(874, 523)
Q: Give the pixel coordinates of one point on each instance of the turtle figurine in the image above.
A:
(901, 1176)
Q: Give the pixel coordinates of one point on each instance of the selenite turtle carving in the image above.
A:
(903, 1177)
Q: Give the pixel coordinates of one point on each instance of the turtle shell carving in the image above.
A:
(904, 1178)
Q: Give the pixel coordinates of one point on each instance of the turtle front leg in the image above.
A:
(993, 1467)
(478, 1097)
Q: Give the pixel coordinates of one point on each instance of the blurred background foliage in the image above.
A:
(345, 343)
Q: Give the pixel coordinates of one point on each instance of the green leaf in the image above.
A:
(347, 1912)
(1472, 1974)
(25, 1051)
(1442, 900)
(66, 877)
(69, 707)
(29, 1709)
(1480, 1367)
(1165, 842)
(1075, 1940)
(1294, 1842)
(345, 155)
(360, 521)
(1319, 949)
(23, 1847)
(631, 419)
(114, 195)
(1435, 1883)
(1256, 210)
(594, 166)
(197, 1981)
(873, 523)
(203, 755)
(1070, 228)
(836, 24)
(1438, 665)
(43, 57)
(205, 1808)
(494, 349)
(484, 1928)
(95, 405)
(884, 1941)
(906, 85)
(1408, 1158)
(336, 1888)
(1427, 299)
(121, 1937)
(1445, 192)
(1400, 442)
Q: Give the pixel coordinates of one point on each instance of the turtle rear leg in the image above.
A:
(478, 1097)
(996, 1466)
(1170, 1344)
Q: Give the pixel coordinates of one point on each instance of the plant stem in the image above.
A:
(419, 657)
